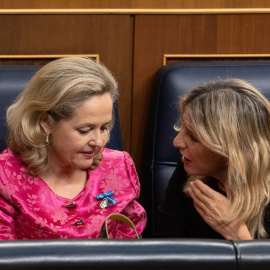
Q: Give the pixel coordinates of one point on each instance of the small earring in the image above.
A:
(47, 140)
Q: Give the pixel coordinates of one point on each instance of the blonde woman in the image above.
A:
(57, 179)
(225, 150)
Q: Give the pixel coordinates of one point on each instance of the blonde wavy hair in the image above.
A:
(56, 90)
(232, 118)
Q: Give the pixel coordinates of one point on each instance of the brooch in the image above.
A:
(106, 199)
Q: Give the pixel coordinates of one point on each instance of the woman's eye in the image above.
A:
(81, 131)
(105, 128)
(192, 137)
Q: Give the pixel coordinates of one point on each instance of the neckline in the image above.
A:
(65, 198)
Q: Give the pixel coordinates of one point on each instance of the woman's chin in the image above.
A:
(84, 165)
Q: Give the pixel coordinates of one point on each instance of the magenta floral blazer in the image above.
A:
(29, 209)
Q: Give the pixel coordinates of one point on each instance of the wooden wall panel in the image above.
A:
(156, 35)
(156, 4)
(243, 34)
(110, 36)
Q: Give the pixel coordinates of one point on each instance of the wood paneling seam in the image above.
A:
(138, 11)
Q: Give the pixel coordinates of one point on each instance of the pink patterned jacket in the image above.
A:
(29, 209)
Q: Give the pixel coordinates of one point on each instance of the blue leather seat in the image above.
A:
(170, 83)
(184, 254)
(13, 80)
(85, 254)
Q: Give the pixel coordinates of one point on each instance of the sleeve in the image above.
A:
(133, 210)
(173, 216)
(7, 213)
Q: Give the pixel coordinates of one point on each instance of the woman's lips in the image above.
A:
(88, 154)
(184, 159)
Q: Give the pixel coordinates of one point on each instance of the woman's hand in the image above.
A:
(213, 206)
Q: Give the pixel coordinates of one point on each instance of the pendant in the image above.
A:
(104, 203)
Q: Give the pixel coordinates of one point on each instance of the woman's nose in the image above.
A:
(178, 141)
(97, 139)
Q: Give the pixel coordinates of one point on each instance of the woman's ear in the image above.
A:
(44, 122)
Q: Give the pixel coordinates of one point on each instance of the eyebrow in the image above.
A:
(91, 124)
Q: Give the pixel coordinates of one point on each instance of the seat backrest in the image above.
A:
(158, 254)
(85, 254)
(13, 80)
(170, 83)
